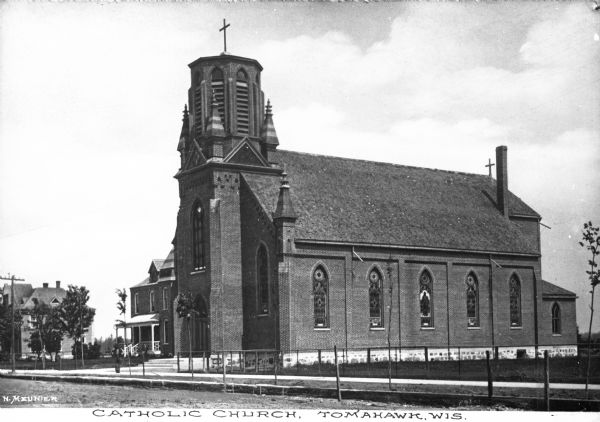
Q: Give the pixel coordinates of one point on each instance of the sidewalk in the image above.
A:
(136, 374)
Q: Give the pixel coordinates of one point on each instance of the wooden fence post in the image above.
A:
(547, 380)
(489, 374)
(224, 373)
(337, 374)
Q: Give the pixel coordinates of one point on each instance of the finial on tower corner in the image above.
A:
(185, 111)
(269, 111)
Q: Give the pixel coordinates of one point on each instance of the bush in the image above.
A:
(90, 351)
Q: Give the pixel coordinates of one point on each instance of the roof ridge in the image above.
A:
(384, 162)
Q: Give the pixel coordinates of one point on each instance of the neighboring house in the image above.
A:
(286, 250)
(26, 297)
(151, 319)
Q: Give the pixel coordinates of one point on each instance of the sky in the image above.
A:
(91, 100)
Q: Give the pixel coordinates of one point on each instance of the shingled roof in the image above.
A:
(357, 201)
(551, 291)
(45, 295)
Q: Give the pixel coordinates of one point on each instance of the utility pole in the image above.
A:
(12, 317)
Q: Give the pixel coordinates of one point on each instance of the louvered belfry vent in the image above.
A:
(218, 90)
(241, 102)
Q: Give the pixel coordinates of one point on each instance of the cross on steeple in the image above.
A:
(224, 29)
(489, 165)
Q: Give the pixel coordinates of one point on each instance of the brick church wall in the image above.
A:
(349, 306)
(568, 332)
(256, 229)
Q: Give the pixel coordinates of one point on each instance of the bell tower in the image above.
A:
(232, 84)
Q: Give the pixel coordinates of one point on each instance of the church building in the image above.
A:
(292, 251)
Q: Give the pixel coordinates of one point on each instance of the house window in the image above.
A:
(426, 299)
(375, 300)
(198, 247)
(165, 298)
(262, 281)
(472, 300)
(165, 331)
(514, 287)
(555, 319)
(136, 303)
(320, 299)
(152, 307)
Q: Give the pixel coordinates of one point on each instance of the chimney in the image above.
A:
(58, 284)
(45, 285)
(502, 180)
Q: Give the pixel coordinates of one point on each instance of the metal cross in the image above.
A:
(489, 165)
(224, 29)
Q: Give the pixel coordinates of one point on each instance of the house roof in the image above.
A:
(357, 201)
(22, 292)
(158, 263)
(169, 261)
(44, 295)
(550, 291)
(143, 283)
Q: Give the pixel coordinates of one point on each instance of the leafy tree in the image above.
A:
(591, 242)
(76, 315)
(5, 326)
(47, 330)
(185, 309)
(122, 307)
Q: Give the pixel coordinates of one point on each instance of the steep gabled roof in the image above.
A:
(346, 200)
(552, 291)
(44, 295)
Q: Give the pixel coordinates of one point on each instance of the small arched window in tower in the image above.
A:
(218, 90)
(242, 101)
(556, 329)
(514, 288)
(426, 299)
(262, 279)
(472, 287)
(375, 299)
(320, 297)
(198, 238)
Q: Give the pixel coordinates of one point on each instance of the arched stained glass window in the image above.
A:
(556, 329)
(198, 238)
(375, 299)
(472, 287)
(262, 274)
(426, 299)
(514, 286)
(320, 297)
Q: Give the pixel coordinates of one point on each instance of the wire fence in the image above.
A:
(568, 364)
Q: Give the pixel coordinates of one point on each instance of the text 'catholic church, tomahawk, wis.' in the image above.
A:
(295, 252)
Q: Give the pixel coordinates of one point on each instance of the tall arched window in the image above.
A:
(262, 279)
(320, 297)
(198, 238)
(426, 299)
(375, 299)
(197, 86)
(555, 319)
(218, 89)
(472, 287)
(514, 288)
(242, 101)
